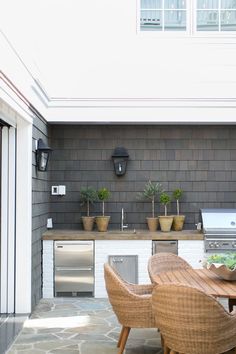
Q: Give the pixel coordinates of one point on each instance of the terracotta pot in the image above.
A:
(152, 224)
(178, 222)
(102, 223)
(88, 222)
(165, 223)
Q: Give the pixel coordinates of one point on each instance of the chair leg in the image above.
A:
(232, 303)
(120, 337)
(166, 350)
(124, 338)
(162, 341)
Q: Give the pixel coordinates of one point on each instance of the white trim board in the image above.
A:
(8, 221)
(16, 262)
(4, 219)
(11, 220)
(23, 217)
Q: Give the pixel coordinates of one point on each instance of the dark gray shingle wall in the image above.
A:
(199, 159)
(40, 209)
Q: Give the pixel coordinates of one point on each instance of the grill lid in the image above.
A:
(219, 221)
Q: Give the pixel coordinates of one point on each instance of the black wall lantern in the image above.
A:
(42, 155)
(120, 157)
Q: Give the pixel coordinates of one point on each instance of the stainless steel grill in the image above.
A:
(219, 227)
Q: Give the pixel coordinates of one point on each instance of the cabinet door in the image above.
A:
(126, 266)
(192, 251)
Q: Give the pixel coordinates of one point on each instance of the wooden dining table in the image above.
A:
(202, 279)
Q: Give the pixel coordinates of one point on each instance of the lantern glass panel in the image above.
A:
(43, 160)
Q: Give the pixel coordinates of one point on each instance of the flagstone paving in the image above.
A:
(82, 326)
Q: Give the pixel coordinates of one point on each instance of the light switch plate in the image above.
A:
(55, 190)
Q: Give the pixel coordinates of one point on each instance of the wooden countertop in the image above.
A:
(118, 235)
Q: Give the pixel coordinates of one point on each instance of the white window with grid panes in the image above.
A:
(192, 17)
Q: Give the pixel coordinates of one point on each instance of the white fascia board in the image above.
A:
(143, 115)
(11, 223)
(141, 102)
(4, 219)
(12, 100)
(23, 217)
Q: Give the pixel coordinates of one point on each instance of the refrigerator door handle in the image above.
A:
(74, 269)
(73, 244)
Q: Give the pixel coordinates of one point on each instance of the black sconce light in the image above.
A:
(42, 155)
(120, 157)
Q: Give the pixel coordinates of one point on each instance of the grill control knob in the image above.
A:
(234, 244)
(217, 245)
(211, 244)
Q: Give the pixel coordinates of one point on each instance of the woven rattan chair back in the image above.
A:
(164, 262)
(192, 322)
(130, 302)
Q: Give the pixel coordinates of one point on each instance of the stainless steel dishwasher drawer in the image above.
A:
(165, 246)
(74, 268)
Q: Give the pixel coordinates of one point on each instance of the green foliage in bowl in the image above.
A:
(228, 259)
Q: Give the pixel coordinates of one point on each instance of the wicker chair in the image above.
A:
(164, 262)
(192, 322)
(131, 304)
(232, 303)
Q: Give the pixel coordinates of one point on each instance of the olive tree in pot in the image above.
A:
(88, 196)
(165, 221)
(178, 221)
(103, 221)
(151, 190)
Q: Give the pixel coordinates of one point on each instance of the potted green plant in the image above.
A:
(151, 190)
(165, 221)
(178, 221)
(88, 195)
(103, 221)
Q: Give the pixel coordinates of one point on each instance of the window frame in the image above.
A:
(191, 26)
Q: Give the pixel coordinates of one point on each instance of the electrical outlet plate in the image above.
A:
(61, 190)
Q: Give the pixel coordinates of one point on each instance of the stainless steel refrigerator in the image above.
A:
(74, 268)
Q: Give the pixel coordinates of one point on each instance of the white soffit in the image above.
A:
(90, 68)
(137, 111)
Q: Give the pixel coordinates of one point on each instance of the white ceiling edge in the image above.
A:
(129, 111)
(143, 115)
(116, 110)
(138, 111)
(11, 106)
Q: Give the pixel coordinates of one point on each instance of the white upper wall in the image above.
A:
(90, 58)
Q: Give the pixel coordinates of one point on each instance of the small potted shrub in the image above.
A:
(151, 190)
(165, 221)
(88, 196)
(103, 221)
(178, 221)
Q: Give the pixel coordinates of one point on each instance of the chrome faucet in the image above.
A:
(122, 225)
